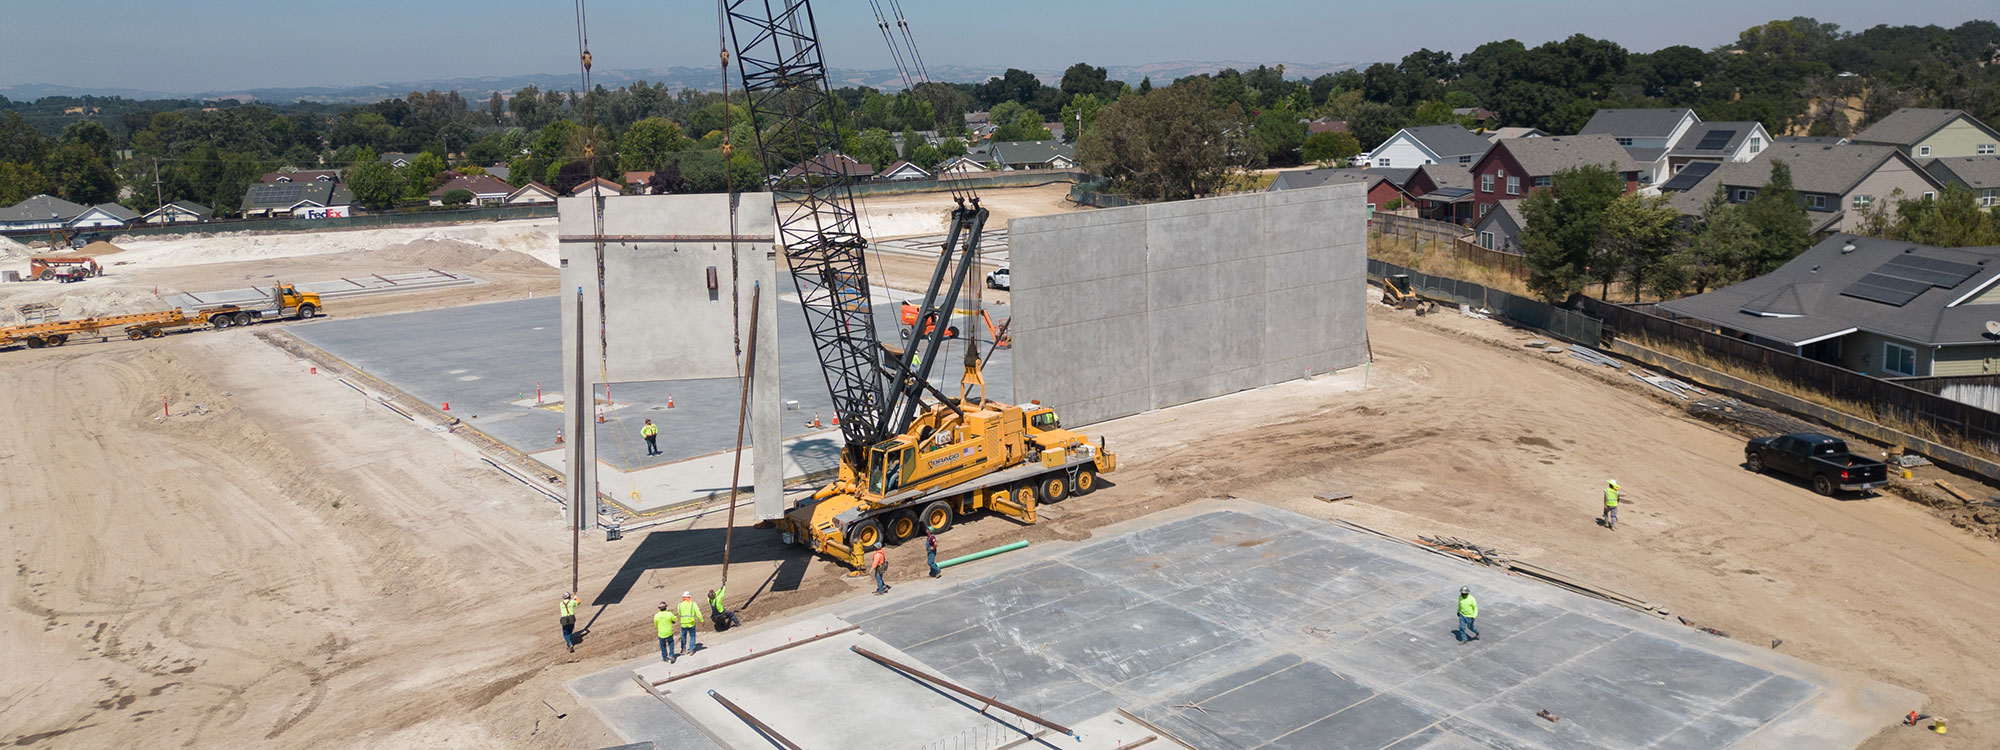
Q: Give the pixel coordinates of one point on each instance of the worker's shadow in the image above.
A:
(695, 548)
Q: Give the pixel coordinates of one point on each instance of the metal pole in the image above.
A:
(754, 722)
(954, 687)
(742, 417)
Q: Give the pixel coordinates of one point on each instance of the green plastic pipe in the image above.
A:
(982, 555)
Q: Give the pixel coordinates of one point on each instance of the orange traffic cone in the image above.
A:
(447, 406)
(815, 422)
(836, 419)
(559, 436)
(600, 417)
(670, 401)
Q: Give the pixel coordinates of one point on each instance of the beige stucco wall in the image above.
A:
(1862, 352)
(1894, 173)
(1960, 138)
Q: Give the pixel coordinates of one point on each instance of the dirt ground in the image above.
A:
(283, 561)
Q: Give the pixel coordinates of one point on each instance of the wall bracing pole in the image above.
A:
(743, 418)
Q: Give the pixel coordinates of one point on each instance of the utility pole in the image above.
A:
(159, 198)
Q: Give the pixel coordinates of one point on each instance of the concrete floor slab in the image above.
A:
(1278, 631)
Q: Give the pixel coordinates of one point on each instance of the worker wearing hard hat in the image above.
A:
(566, 614)
(690, 614)
(1468, 613)
(1610, 518)
(663, 624)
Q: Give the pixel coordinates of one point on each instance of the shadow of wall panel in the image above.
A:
(1122, 310)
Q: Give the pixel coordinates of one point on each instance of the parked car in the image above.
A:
(999, 279)
(1820, 460)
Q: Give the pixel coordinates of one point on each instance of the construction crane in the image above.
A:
(915, 457)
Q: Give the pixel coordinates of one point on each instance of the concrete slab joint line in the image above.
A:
(1176, 302)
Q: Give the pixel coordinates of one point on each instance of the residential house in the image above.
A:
(1501, 228)
(596, 187)
(104, 216)
(40, 212)
(1384, 186)
(1429, 144)
(903, 170)
(1513, 168)
(397, 159)
(960, 166)
(1818, 140)
(636, 181)
(1980, 174)
(1876, 306)
(1501, 134)
(179, 212)
(533, 193)
(1715, 142)
(831, 164)
(1932, 134)
(313, 199)
(290, 174)
(1012, 155)
(1834, 183)
(486, 190)
(1645, 134)
(501, 171)
(1443, 192)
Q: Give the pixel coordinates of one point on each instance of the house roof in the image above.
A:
(1501, 134)
(1816, 168)
(40, 208)
(1031, 152)
(1509, 209)
(901, 165)
(1327, 126)
(476, 184)
(962, 162)
(1823, 140)
(1447, 140)
(532, 186)
(1306, 178)
(1976, 172)
(1635, 123)
(1448, 175)
(1551, 154)
(301, 175)
(501, 171)
(278, 195)
(1906, 126)
(1690, 175)
(1719, 138)
(637, 177)
(831, 163)
(188, 206)
(115, 211)
(1812, 297)
(394, 156)
(597, 181)
(1644, 155)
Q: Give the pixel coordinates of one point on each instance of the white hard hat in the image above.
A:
(686, 595)
(1612, 482)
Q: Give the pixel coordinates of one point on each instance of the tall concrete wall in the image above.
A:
(1122, 310)
(663, 322)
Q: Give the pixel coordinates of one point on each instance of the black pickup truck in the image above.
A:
(1819, 459)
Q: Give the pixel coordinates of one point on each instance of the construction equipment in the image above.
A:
(286, 301)
(914, 457)
(63, 268)
(1396, 291)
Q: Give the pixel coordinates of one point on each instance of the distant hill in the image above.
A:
(478, 88)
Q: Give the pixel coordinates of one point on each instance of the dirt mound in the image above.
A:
(457, 255)
(97, 248)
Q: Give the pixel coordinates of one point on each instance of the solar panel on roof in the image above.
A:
(1932, 271)
(1886, 290)
(1689, 176)
(1715, 139)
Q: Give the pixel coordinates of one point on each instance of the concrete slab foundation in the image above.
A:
(1241, 626)
(335, 289)
(1124, 310)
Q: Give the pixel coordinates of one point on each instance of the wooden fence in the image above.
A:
(1886, 402)
(1450, 238)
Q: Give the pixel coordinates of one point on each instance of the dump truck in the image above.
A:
(286, 301)
(63, 268)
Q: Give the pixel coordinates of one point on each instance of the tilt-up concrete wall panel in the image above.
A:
(1119, 311)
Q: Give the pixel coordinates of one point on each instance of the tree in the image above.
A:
(1372, 123)
(647, 143)
(1079, 115)
(1640, 235)
(1169, 144)
(423, 173)
(1780, 223)
(667, 180)
(375, 184)
(872, 147)
(457, 197)
(1565, 223)
(1330, 148)
(1276, 136)
(951, 147)
(1716, 254)
(1433, 112)
(19, 182)
(1952, 219)
(79, 175)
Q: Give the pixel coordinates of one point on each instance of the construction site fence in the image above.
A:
(1091, 193)
(1901, 405)
(446, 216)
(1450, 238)
(1568, 325)
(1021, 178)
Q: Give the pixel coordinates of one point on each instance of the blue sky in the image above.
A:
(232, 44)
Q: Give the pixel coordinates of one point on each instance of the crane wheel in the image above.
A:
(936, 516)
(1086, 481)
(902, 527)
(1052, 488)
(306, 311)
(866, 533)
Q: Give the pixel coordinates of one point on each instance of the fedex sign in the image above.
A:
(330, 212)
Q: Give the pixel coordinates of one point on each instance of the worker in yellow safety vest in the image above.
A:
(566, 608)
(651, 432)
(1610, 519)
(1468, 611)
(690, 614)
(720, 615)
(663, 624)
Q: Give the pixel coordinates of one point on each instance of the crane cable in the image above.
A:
(588, 103)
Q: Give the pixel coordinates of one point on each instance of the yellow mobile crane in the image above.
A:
(914, 457)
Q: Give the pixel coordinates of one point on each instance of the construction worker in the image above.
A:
(690, 613)
(719, 615)
(663, 624)
(1610, 518)
(651, 433)
(1468, 610)
(566, 608)
(930, 552)
(878, 564)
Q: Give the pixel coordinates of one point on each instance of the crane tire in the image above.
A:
(1051, 488)
(903, 526)
(867, 533)
(1086, 481)
(936, 517)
